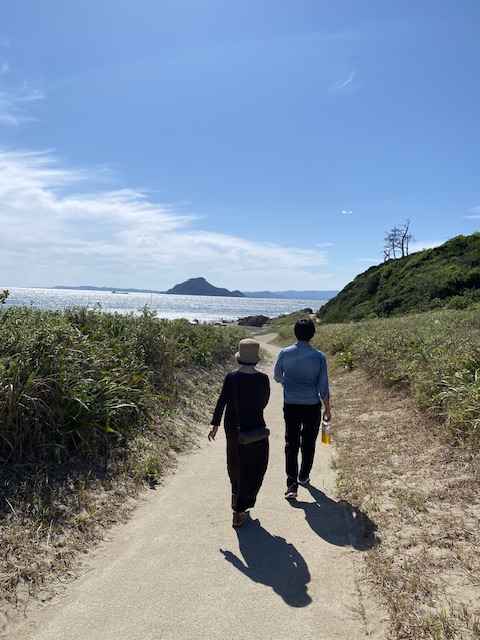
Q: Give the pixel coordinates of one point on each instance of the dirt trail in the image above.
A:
(178, 570)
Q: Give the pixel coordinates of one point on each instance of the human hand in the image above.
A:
(212, 433)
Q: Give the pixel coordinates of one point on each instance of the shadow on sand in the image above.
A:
(272, 561)
(338, 523)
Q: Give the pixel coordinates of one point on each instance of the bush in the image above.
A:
(434, 355)
(76, 383)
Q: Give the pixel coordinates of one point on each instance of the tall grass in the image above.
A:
(435, 356)
(78, 382)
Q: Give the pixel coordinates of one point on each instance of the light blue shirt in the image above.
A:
(302, 370)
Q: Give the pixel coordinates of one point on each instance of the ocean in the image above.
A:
(193, 308)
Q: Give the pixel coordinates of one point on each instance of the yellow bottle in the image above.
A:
(326, 433)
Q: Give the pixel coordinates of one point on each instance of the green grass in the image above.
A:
(434, 356)
(80, 382)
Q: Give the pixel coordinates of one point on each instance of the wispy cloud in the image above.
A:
(13, 110)
(345, 213)
(421, 245)
(475, 213)
(347, 84)
(53, 232)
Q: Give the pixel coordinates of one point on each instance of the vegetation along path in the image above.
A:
(383, 544)
(178, 569)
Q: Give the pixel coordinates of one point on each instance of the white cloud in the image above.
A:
(346, 85)
(55, 233)
(30, 95)
(424, 244)
(12, 110)
(475, 213)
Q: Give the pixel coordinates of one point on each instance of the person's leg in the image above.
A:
(292, 442)
(253, 461)
(311, 427)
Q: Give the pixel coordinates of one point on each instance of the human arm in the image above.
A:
(218, 411)
(327, 414)
(324, 390)
(278, 369)
(213, 432)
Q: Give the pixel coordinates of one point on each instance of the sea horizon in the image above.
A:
(321, 295)
(195, 308)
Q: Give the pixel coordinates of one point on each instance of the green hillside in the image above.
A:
(447, 276)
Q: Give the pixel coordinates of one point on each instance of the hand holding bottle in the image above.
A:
(325, 430)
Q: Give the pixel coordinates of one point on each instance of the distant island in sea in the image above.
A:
(200, 287)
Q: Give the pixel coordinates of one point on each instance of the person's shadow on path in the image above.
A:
(337, 522)
(272, 561)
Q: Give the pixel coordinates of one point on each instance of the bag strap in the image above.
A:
(235, 400)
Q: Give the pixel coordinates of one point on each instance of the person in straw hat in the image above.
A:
(244, 396)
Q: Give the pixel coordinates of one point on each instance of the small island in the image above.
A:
(200, 287)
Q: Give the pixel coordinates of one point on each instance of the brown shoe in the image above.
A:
(239, 518)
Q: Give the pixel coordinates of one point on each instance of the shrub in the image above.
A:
(76, 383)
(433, 355)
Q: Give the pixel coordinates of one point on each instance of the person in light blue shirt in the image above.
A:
(302, 370)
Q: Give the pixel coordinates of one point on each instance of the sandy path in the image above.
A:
(178, 570)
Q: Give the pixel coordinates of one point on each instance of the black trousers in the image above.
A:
(302, 425)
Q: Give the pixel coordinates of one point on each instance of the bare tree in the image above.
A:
(406, 238)
(397, 240)
(391, 243)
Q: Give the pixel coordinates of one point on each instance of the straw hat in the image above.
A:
(248, 351)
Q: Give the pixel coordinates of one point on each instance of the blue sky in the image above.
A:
(261, 144)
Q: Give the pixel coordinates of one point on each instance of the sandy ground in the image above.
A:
(178, 570)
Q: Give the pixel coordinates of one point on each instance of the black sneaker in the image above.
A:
(304, 480)
(291, 492)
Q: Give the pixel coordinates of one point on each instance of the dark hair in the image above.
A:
(304, 329)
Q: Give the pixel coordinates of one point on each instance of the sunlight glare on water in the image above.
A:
(201, 308)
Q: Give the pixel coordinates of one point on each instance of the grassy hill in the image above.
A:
(445, 277)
